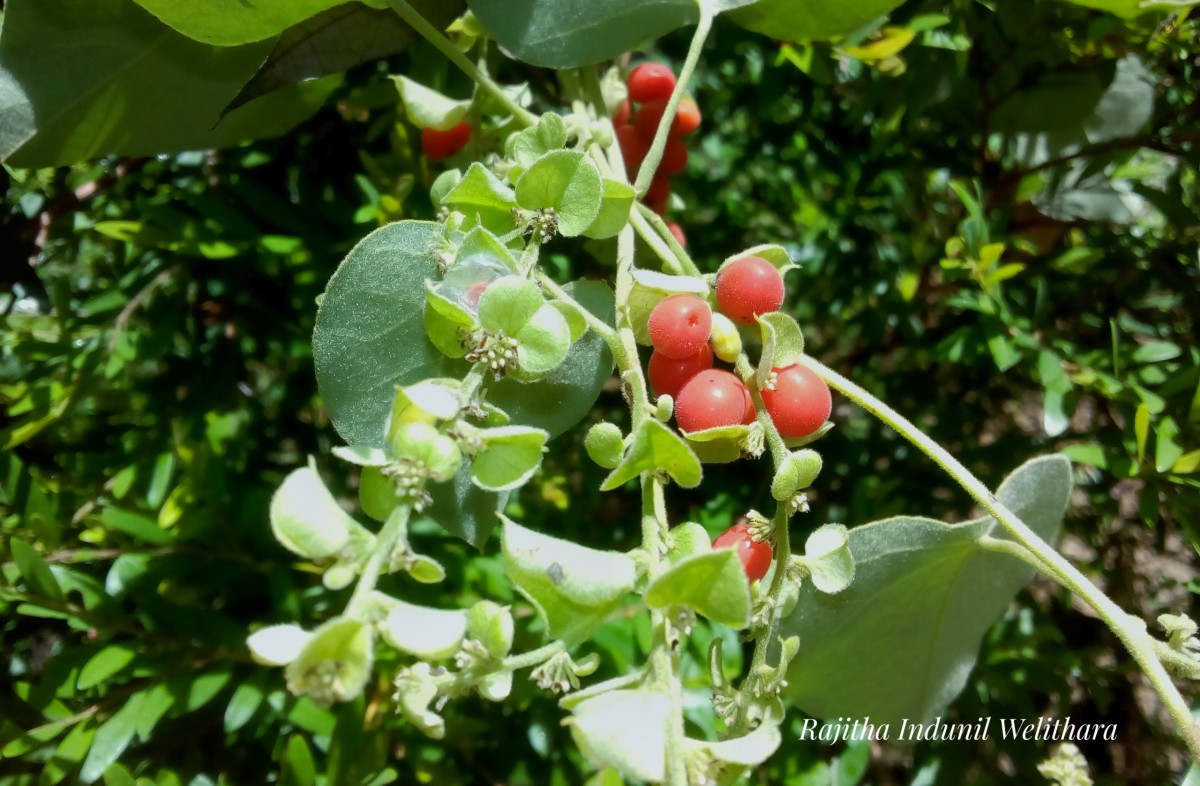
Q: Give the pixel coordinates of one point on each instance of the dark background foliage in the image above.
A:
(155, 369)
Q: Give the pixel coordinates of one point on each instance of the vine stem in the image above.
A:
(443, 45)
(1130, 630)
(395, 528)
(654, 157)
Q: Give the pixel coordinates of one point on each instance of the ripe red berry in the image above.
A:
(440, 145)
(751, 413)
(687, 118)
(650, 82)
(677, 231)
(712, 399)
(658, 194)
(749, 287)
(755, 555)
(648, 118)
(669, 375)
(800, 403)
(679, 326)
(674, 157)
(623, 114)
(633, 149)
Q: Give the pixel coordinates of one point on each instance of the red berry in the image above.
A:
(674, 157)
(658, 194)
(633, 149)
(669, 375)
(687, 118)
(749, 287)
(755, 555)
(650, 82)
(677, 231)
(440, 145)
(679, 326)
(623, 114)
(648, 118)
(751, 413)
(800, 403)
(712, 399)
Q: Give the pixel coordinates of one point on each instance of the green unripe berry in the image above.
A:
(797, 472)
(664, 408)
(605, 445)
(725, 339)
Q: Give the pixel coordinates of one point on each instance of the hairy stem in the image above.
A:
(1130, 630)
(443, 45)
(656, 221)
(394, 529)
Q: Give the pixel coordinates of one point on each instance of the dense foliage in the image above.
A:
(995, 210)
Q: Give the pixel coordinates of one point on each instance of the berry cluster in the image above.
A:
(440, 145)
(685, 335)
(650, 85)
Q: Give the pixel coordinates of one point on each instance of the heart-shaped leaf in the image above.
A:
(656, 447)
(484, 199)
(568, 182)
(711, 583)
(901, 640)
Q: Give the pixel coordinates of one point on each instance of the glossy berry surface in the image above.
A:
(800, 403)
(674, 157)
(755, 555)
(687, 117)
(749, 287)
(440, 145)
(650, 82)
(679, 326)
(712, 399)
(669, 375)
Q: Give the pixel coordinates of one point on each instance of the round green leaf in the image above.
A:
(711, 583)
(508, 304)
(900, 642)
(572, 33)
(484, 199)
(567, 181)
(812, 20)
(305, 517)
(573, 588)
(615, 205)
(828, 558)
(625, 730)
(232, 22)
(370, 333)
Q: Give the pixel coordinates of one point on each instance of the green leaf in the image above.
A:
(614, 210)
(78, 81)
(750, 750)
(510, 456)
(135, 525)
(783, 343)
(246, 699)
(515, 307)
(568, 182)
(572, 33)
(429, 634)
(564, 396)
(278, 645)
(305, 517)
(687, 539)
(532, 143)
(1128, 9)
(713, 584)
(370, 333)
(572, 587)
(428, 108)
(337, 39)
(815, 20)
(232, 22)
(1141, 429)
(484, 199)
(299, 769)
(900, 642)
(465, 510)
(656, 447)
(625, 730)
(104, 664)
(1167, 449)
(111, 740)
(38, 578)
(335, 664)
(1156, 352)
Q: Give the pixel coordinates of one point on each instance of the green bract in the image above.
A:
(617, 201)
(783, 344)
(484, 199)
(796, 472)
(428, 108)
(656, 447)
(568, 182)
(508, 458)
(492, 625)
(514, 307)
(712, 583)
(430, 634)
(573, 588)
(529, 145)
(334, 664)
(306, 519)
(828, 559)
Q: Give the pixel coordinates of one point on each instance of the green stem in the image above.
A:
(670, 262)
(779, 448)
(654, 157)
(598, 326)
(624, 681)
(529, 257)
(443, 45)
(394, 529)
(656, 221)
(1130, 630)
